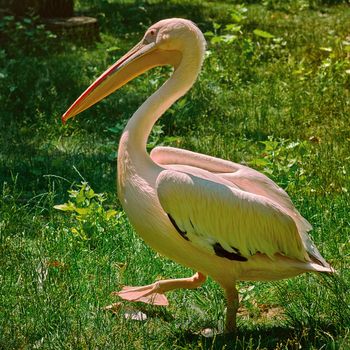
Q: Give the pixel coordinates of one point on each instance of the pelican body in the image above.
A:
(219, 218)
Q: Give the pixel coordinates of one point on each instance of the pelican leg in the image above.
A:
(232, 308)
(154, 293)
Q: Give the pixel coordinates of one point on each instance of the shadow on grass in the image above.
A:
(32, 172)
(274, 337)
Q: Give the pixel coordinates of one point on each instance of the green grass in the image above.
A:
(280, 105)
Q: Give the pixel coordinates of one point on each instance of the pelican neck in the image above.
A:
(141, 123)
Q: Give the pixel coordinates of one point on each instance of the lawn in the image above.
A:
(273, 94)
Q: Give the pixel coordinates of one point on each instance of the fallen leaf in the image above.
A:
(208, 332)
(129, 313)
(114, 308)
(136, 315)
(55, 263)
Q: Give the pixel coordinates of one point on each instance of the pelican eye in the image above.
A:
(150, 36)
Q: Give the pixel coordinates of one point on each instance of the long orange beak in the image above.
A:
(139, 59)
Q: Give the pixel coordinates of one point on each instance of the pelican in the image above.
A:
(219, 218)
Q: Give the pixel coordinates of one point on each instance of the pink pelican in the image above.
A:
(219, 218)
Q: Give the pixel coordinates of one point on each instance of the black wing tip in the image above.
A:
(183, 234)
(221, 252)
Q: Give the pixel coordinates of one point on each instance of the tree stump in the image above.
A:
(58, 17)
(77, 28)
(43, 8)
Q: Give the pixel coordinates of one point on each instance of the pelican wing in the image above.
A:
(227, 221)
(241, 177)
(238, 175)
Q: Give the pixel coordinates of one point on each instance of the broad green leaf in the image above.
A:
(260, 162)
(216, 39)
(116, 129)
(236, 17)
(270, 145)
(172, 139)
(83, 211)
(73, 193)
(79, 233)
(110, 213)
(327, 49)
(233, 27)
(263, 34)
(65, 207)
(80, 198)
(229, 38)
(90, 193)
(113, 48)
(209, 33)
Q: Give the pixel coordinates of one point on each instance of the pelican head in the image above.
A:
(164, 43)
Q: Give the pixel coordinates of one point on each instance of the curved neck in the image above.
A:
(140, 125)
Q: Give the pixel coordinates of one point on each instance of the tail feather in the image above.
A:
(316, 266)
(304, 227)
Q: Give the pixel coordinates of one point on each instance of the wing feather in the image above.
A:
(214, 215)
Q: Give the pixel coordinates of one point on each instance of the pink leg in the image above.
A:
(154, 293)
(232, 308)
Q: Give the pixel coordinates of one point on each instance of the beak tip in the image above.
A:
(64, 119)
